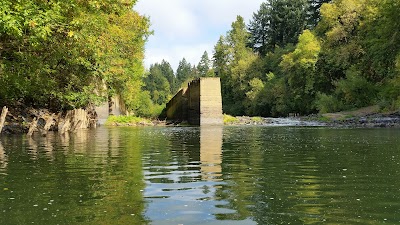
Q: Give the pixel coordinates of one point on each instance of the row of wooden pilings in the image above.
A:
(72, 121)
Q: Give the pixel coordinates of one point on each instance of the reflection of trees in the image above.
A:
(91, 177)
(269, 178)
(306, 176)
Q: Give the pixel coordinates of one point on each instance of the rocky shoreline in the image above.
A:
(369, 121)
(20, 121)
(366, 121)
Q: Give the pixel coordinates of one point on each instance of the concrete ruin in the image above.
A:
(198, 104)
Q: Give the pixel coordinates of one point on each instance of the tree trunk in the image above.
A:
(3, 117)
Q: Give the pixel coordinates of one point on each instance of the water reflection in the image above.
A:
(81, 178)
(207, 175)
(211, 152)
(3, 158)
(183, 177)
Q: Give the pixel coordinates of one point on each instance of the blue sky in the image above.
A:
(187, 28)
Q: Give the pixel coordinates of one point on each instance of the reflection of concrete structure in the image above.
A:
(199, 104)
(211, 152)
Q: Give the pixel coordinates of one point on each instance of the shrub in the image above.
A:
(125, 120)
(230, 119)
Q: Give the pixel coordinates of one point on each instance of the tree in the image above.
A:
(156, 83)
(259, 29)
(221, 57)
(183, 72)
(168, 73)
(204, 66)
(276, 24)
(299, 66)
(56, 53)
(313, 12)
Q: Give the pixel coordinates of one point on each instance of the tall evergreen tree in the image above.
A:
(168, 73)
(313, 12)
(204, 66)
(183, 72)
(221, 57)
(156, 83)
(259, 29)
(277, 23)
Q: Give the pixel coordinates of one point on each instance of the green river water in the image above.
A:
(202, 175)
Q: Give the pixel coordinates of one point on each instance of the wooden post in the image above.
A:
(33, 126)
(3, 117)
(47, 127)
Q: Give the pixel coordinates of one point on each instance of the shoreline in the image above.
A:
(361, 118)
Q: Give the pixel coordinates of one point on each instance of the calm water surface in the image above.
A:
(208, 175)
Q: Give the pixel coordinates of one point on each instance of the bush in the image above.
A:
(230, 119)
(327, 103)
(355, 91)
(125, 120)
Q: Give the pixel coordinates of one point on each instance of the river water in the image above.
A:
(202, 175)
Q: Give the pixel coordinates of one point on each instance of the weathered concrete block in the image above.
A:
(199, 104)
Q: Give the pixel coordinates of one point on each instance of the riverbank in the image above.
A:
(367, 117)
(19, 121)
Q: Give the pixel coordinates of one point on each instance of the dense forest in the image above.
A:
(301, 56)
(293, 56)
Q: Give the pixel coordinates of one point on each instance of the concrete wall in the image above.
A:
(199, 104)
(210, 101)
(193, 94)
(177, 106)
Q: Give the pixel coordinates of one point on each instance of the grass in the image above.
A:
(125, 120)
(256, 119)
(228, 119)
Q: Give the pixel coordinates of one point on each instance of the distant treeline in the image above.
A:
(300, 56)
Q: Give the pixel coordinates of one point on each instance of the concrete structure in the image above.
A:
(115, 106)
(198, 104)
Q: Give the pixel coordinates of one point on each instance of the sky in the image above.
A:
(187, 28)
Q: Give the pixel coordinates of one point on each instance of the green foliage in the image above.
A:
(355, 91)
(230, 119)
(157, 84)
(203, 67)
(183, 72)
(276, 24)
(327, 103)
(125, 120)
(66, 54)
(256, 119)
(352, 92)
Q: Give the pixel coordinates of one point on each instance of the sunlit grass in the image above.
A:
(228, 119)
(125, 120)
(256, 119)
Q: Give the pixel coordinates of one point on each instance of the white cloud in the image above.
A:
(187, 28)
(192, 53)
